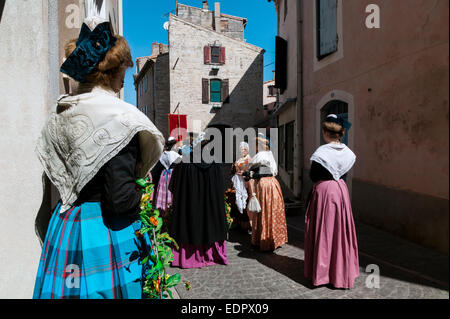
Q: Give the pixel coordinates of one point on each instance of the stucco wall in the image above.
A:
(287, 29)
(243, 68)
(397, 79)
(24, 87)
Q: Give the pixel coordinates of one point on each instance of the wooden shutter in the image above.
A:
(327, 38)
(222, 55)
(205, 91)
(281, 64)
(225, 91)
(207, 54)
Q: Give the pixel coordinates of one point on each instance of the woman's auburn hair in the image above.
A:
(264, 143)
(334, 130)
(106, 70)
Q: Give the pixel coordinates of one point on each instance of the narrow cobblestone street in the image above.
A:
(407, 271)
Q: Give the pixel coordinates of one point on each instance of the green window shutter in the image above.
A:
(216, 89)
(327, 37)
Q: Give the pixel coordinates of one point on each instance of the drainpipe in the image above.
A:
(300, 95)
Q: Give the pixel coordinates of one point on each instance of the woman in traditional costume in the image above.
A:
(269, 229)
(92, 149)
(168, 160)
(239, 211)
(331, 249)
(198, 221)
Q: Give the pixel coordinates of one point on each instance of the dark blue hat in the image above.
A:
(92, 47)
(333, 118)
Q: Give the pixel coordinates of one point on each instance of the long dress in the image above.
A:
(92, 149)
(331, 248)
(269, 227)
(91, 250)
(238, 208)
(198, 223)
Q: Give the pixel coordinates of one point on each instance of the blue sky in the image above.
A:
(144, 19)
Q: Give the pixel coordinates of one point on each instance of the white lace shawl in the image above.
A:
(265, 158)
(168, 158)
(76, 143)
(338, 159)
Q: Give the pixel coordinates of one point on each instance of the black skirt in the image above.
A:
(198, 205)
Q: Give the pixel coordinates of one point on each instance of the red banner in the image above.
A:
(178, 126)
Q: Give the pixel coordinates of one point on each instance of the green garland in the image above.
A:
(157, 281)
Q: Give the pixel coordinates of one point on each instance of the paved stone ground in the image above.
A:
(407, 271)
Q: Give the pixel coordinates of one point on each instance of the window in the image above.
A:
(214, 54)
(281, 144)
(272, 90)
(286, 146)
(224, 25)
(289, 147)
(215, 93)
(327, 37)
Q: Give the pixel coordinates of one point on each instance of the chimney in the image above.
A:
(217, 17)
(155, 48)
(217, 9)
(205, 5)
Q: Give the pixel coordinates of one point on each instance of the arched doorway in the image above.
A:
(337, 102)
(340, 108)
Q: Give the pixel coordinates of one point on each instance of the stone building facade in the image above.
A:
(391, 82)
(152, 86)
(215, 76)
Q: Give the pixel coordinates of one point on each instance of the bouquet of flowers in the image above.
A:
(229, 198)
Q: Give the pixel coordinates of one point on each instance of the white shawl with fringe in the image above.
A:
(76, 143)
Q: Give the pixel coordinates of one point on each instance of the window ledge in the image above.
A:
(216, 105)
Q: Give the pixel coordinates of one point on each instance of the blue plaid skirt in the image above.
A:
(87, 256)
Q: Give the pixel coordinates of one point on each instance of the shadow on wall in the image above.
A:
(162, 93)
(2, 5)
(242, 109)
(45, 211)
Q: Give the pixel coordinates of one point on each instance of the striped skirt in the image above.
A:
(163, 194)
(87, 256)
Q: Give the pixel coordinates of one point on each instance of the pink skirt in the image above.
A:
(163, 194)
(331, 248)
(190, 256)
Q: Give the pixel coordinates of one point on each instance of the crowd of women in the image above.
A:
(95, 146)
